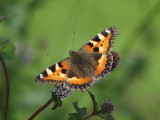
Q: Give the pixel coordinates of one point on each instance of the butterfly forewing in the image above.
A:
(56, 73)
(102, 42)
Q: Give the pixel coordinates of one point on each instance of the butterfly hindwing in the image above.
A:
(92, 67)
(104, 66)
(79, 75)
(116, 60)
(100, 63)
(55, 73)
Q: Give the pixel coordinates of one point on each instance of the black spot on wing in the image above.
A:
(96, 49)
(44, 73)
(60, 64)
(64, 71)
(52, 68)
(38, 77)
(96, 38)
(104, 33)
(90, 44)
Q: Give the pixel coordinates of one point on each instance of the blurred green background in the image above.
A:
(46, 26)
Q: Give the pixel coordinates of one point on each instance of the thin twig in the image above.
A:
(2, 18)
(7, 87)
(41, 109)
(6, 41)
(90, 115)
(94, 106)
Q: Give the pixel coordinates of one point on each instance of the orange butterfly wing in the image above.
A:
(102, 42)
(55, 73)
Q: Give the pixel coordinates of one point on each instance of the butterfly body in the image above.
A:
(82, 69)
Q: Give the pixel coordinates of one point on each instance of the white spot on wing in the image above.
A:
(49, 72)
(62, 75)
(101, 49)
(73, 78)
(41, 76)
(93, 42)
(57, 67)
(107, 31)
(102, 58)
(100, 36)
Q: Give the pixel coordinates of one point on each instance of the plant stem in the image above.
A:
(41, 109)
(7, 87)
(6, 17)
(89, 116)
(4, 42)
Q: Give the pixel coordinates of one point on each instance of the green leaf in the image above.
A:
(81, 111)
(74, 116)
(105, 116)
(95, 109)
(57, 101)
(7, 49)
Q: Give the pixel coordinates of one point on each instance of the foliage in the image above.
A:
(81, 112)
(104, 112)
(7, 49)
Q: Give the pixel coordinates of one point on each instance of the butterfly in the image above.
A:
(82, 69)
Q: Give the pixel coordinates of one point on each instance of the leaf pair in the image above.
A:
(108, 108)
(81, 112)
(105, 111)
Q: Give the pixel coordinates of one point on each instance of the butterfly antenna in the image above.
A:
(73, 38)
(47, 54)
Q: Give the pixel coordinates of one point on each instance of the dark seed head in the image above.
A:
(61, 91)
(107, 107)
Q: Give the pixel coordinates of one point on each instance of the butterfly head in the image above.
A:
(75, 55)
(72, 53)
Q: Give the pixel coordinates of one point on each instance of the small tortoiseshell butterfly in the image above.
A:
(92, 62)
